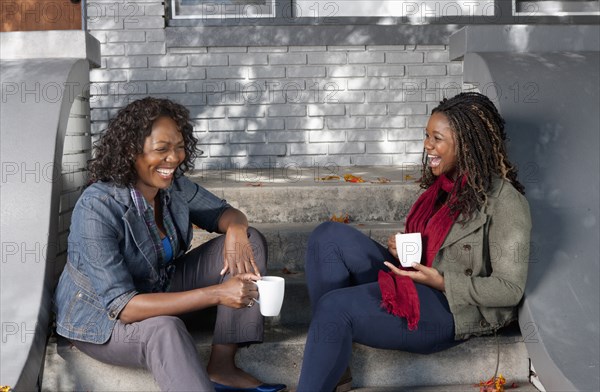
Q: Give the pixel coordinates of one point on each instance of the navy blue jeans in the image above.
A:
(342, 265)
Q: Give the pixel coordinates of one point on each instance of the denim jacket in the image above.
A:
(111, 256)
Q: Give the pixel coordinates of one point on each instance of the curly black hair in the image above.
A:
(116, 151)
(480, 150)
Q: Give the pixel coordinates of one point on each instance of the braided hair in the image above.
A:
(116, 151)
(480, 150)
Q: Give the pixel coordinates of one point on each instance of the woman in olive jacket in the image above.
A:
(475, 226)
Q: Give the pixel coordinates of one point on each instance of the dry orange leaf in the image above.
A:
(494, 384)
(352, 178)
(341, 218)
(408, 177)
(329, 178)
(381, 180)
(254, 184)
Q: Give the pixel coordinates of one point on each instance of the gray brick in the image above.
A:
(327, 58)
(430, 47)
(308, 149)
(287, 58)
(385, 148)
(210, 138)
(366, 136)
(226, 125)
(283, 86)
(385, 70)
(209, 87)
(265, 124)
(376, 160)
(426, 70)
(286, 136)
(410, 84)
(367, 84)
(121, 91)
(155, 35)
(266, 72)
(326, 110)
(406, 160)
(227, 73)
(304, 123)
(153, 9)
(200, 125)
(373, 109)
(166, 87)
(126, 36)
(247, 137)
(346, 122)
(186, 73)
(278, 149)
(208, 60)
(455, 68)
(144, 22)
(405, 134)
(306, 72)
(98, 115)
(308, 48)
(386, 122)
(326, 136)
(445, 83)
(107, 75)
(346, 48)
(127, 62)
(403, 57)
(417, 121)
(97, 23)
(346, 72)
(246, 111)
(287, 110)
(414, 147)
(343, 97)
(112, 49)
(385, 96)
(209, 112)
(227, 150)
(346, 148)
(267, 49)
(437, 56)
(366, 58)
(407, 108)
(385, 48)
(192, 50)
(147, 74)
(228, 49)
(147, 48)
(188, 99)
(168, 61)
(248, 59)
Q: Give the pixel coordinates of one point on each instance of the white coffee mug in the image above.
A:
(409, 248)
(270, 295)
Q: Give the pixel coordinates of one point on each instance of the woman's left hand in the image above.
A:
(238, 257)
(423, 275)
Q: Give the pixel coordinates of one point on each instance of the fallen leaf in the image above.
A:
(494, 384)
(329, 178)
(254, 184)
(381, 180)
(353, 178)
(341, 218)
(286, 271)
(408, 177)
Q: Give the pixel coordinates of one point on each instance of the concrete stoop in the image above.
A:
(279, 359)
(286, 207)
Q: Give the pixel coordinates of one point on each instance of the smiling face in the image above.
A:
(164, 151)
(440, 146)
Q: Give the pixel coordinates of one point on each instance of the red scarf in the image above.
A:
(398, 293)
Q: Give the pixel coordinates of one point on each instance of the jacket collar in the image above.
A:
(480, 217)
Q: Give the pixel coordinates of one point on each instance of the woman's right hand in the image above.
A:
(238, 291)
(392, 245)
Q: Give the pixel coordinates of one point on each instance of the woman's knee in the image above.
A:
(155, 327)
(325, 238)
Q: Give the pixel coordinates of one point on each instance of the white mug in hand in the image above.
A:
(409, 248)
(270, 295)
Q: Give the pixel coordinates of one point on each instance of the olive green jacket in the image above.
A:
(484, 262)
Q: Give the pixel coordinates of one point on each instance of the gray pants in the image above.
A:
(163, 344)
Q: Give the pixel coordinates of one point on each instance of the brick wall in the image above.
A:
(273, 105)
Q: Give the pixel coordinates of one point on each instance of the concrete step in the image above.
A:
(287, 242)
(299, 195)
(279, 359)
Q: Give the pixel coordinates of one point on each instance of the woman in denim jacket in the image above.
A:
(475, 225)
(128, 275)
